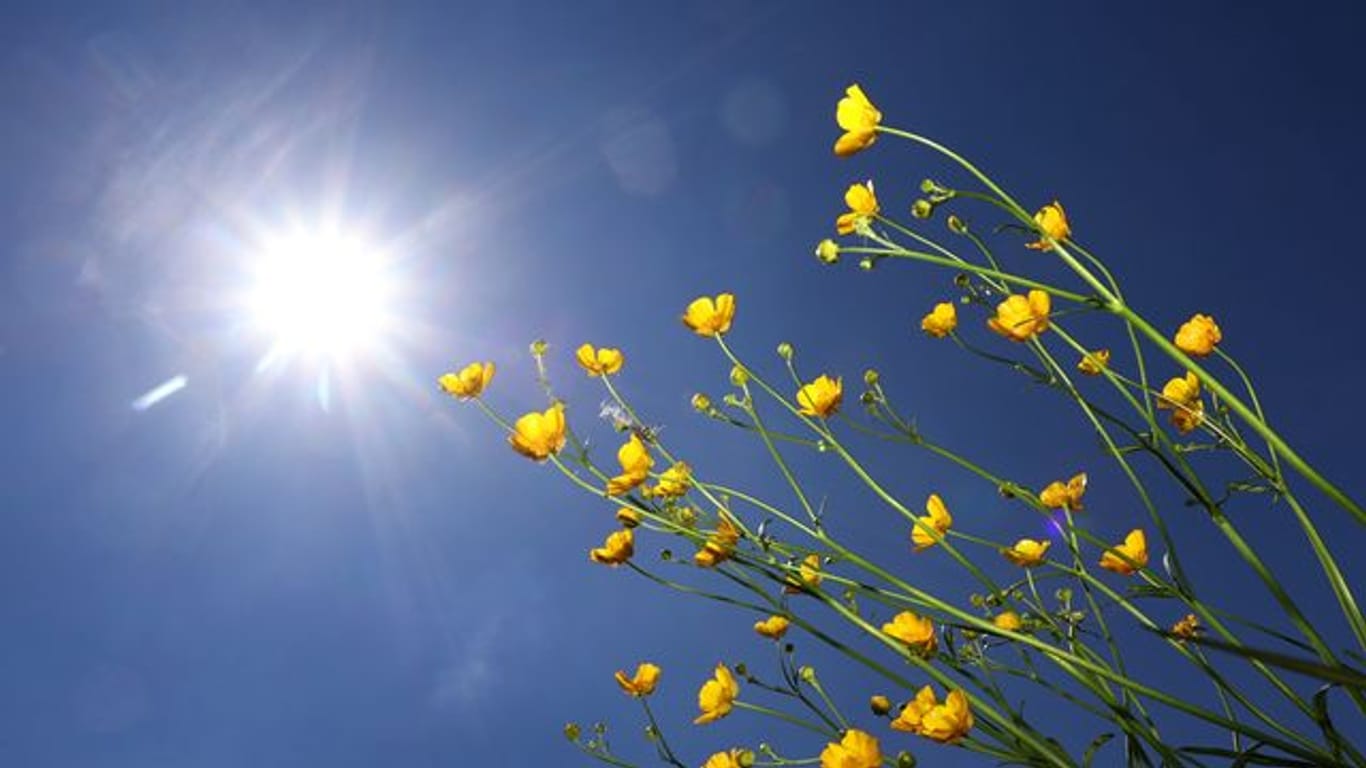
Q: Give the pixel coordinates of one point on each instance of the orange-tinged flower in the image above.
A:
(469, 383)
(617, 549)
(1060, 495)
(808, 575)
(599, 361)
(1198, 336)
(1182, 397)
(729, 759)
(1187, 627)
(642, 683)
(856, 750)
(716, 698)
(673, 482)
(938, 519)
(948, 722)
(941, 321)
(710, 317)
(1008, 620)
(774, 627)
(719, 545)
(915, 631)
(821, 398)
(1027, 553)
(1092, 363)
(628, 517)
(858, 118)
(635, 462)
(1135, 548)
(538, 435)
(862, 202)
(1020, 318)
(1052, 223)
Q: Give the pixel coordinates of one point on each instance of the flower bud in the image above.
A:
(808, 673)
(686, 517)
(628, 517)
(871, 377)
(745, 758)
(922, 209)
(957, 225)
(880, 705)
(701, 403)
(539, 347)
(739, 376)
(742, 670)
(733, 401)
(828, 251)
(572, 731)
(785, 351)
(866, 264)
(905, 759)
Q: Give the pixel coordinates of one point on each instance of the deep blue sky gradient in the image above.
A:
(242, 576)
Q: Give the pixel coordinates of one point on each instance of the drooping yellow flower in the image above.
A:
(821, 398)
(729, 759)
(642, 683)
(862, 202)
(1135, 548)
(938, 519)
(1052, 222)
(716, 698)
(628, 517)
(617, 549)
(635, 462)
(538, 435)
(941, 321)
(808, 575)
(1198, 336)
(599, 361)
(774, 627)
(858, 118)
(948, 722)
(1020, 318)
(469, 383)
(1027, 553)
(1008, 620)
(1182, 397)
(856, 750)
(710, 317)
(673, 482)
(915, 631)
(719, 545)
(1187, 627)
(1092, 363)
(1060, 495)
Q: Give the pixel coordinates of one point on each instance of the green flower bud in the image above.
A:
(739, 376)
(745, 758)
(572, 731)
(905, 759)
(808, 674)
(922, 209)
(957, 225)
(539, 347)
(871, 377)
(866, 264)
(828, 251)
(701, 403)
(785, 351)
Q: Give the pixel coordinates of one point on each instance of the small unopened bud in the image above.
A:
(539, 347)
(701, 403)
(742, 670)
(866, 264)
(808, 674)
(929, 186)
(905, 759)
(651, 733)
(976, 600)
(1007, 491)
(733, 401)
(922, 209)
(739, 376)
(880, 705)
(666, 555)
(871, 377)
(686, 516)
(745, 758)
(867, 397)
(572, 731)
(957, 225)
(785, 351)
(628, 517)
(828, 251)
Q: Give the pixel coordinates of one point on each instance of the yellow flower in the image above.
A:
(1187, 627)
(1198, 336)
(708, 317)
(643, 683)
(1182, 397)
(941, 321)
(948, 722)
(719, 546)
(862, 204)
(1008, 620)
(635, 466)
(538, 435)
(1060, 495)
(856, 750)
(617, 549)
(1135, 548)
(673, 482)
(599, 361)
(859, 119)
(915, 631)
(938, 519)
(774, 627)
(1092, 363)
(628, 517)
(1020, 318)
(809, 576)
(880, 705)
(821, 398)
(729, 759)
(1027, 553)
(717, 696)
(469, 383)
(1052, 222)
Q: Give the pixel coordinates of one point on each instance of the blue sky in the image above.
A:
(247, 572)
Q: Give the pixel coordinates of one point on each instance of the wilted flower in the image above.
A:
(599, 361)
(1052, 222)
(1092, 363)
(938, 519)
(862, 202)
(719, 545)
(856, 750)
(941, 321)
(716, 698)
(821, 398)
(470, 382)
(635, 462)
(710, 317)
(1060, 495)
(1198, 336)
(617, 549)
(538, 435)
(948, 722)
(1027, 552)
(1182, 397)
(1135, 548)
(642, 683)
(774, 627)
(1020, 318)
(915, 631)
(859, 119)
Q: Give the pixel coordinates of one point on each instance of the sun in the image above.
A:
(321, 294)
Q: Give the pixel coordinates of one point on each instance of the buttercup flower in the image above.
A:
(938, 518)
(947, 723)
(1187, 627)
(1092, 363)
(729, 759)
(808, 575)
(1052, 221)
(862, 204)
(628, 517)
(1020, 318)
(774, 627)
(1008, 620)
(856, 750)
(821, 398)
(1182, 397)
(599, 361)
(538, 435)
(915, 631)
(716, 698)
(642, 683)
(469, 383)
(719, 545)
(1027, 553)
(673, 482)
(859, 119)
(941, 321)
(635, 462)
(1135, 547)
(1060, 495)
(710, 317)
(1198, 336)
(617, 549)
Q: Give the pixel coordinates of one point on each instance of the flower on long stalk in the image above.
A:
(728, 759)
(1198, 336)
(673, 482)
(469, 383)
(635, 462)
(808, 576)
(1092, 363)
(1060, 495)
(913, 630)
(862, 202)
(1027, 553)
(537, 436)
(774, 627)
(859, 119)
(1125, 559)
(948, 722)
(856, 749)
(642, 683)
(1008, 620)
(821, 398)
(1021, 318)
(716, 697)
(710, 317)
(941, 321)
(1181, 396)
(599, 362)
(617, 549)
(1052, 223)
(938, 519)
(719, 545)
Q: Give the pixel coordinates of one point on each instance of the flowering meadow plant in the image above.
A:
(970, 674)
